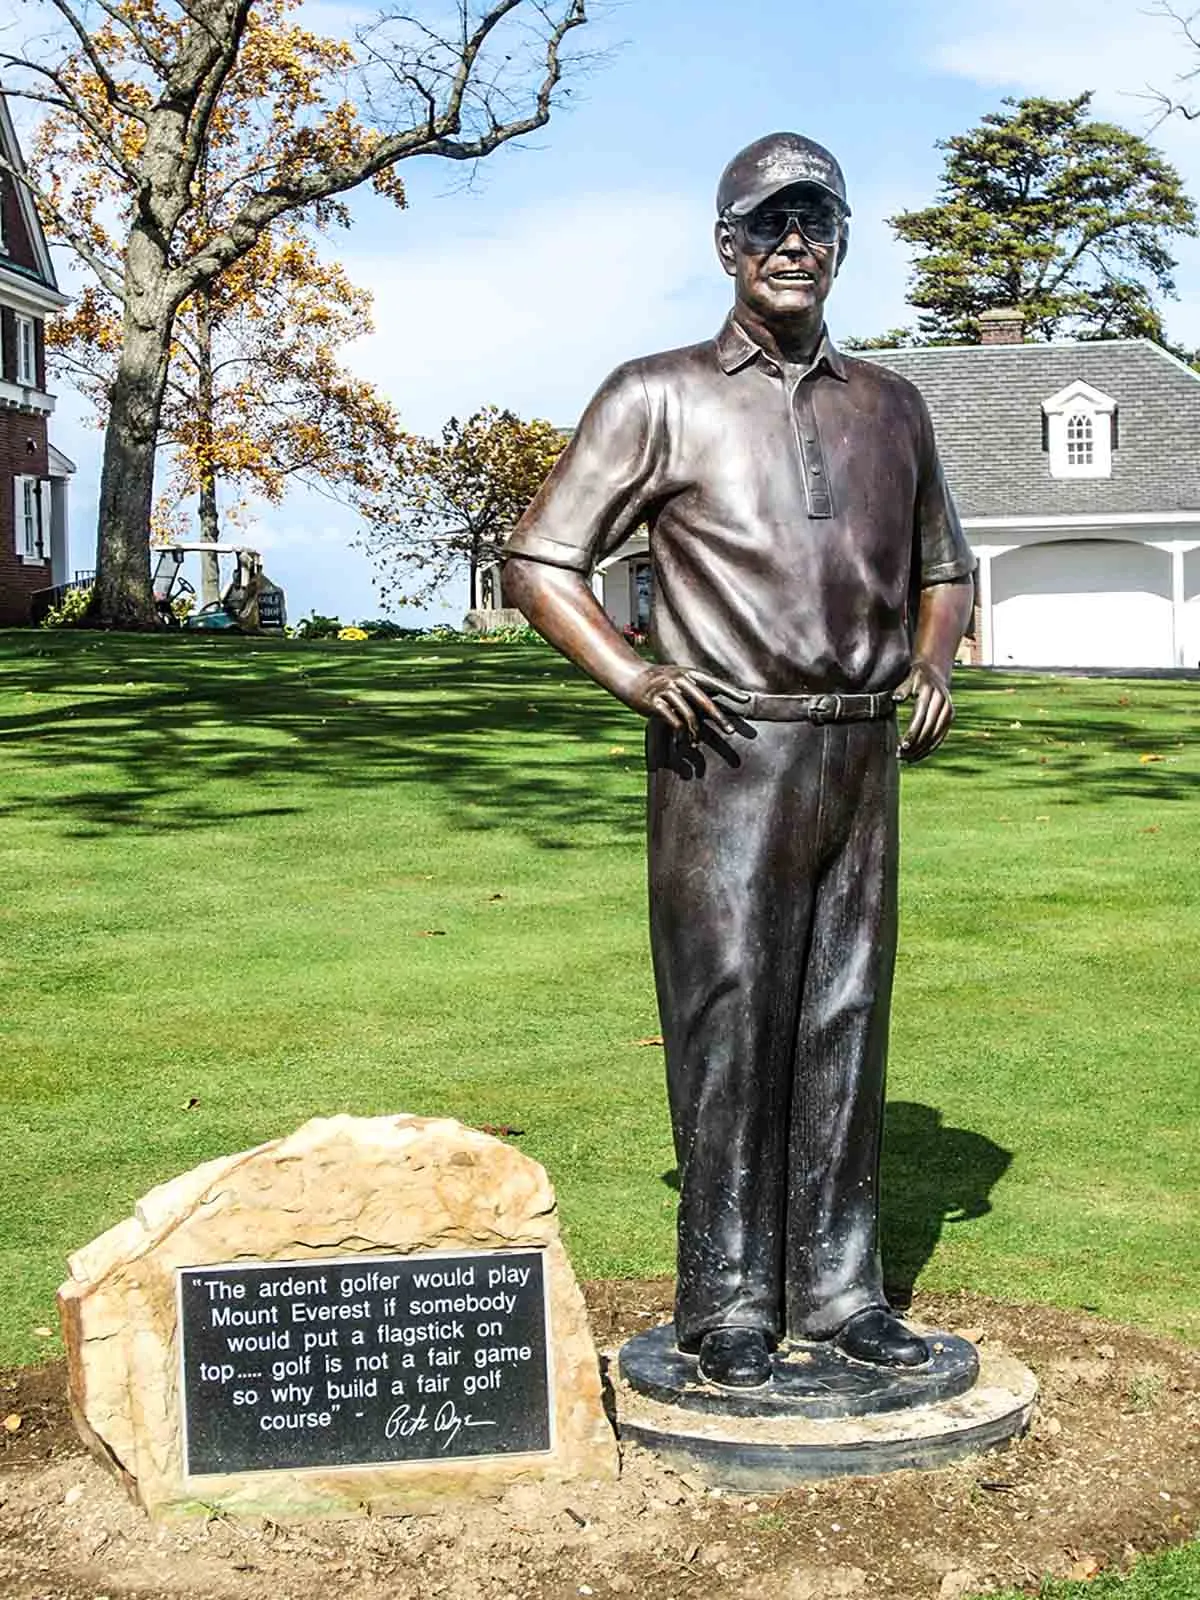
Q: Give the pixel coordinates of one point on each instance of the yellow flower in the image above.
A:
(352, 633)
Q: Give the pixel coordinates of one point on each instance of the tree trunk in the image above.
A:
(122, 596)
(210, 525)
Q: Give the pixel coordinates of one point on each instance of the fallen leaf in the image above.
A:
(431, 933)
(654, 1038)
(192, 1101)
(1041, 819)
(1106, 1352)
(1083, 1569)
(44, 1333)
(1014, 724)
(1146, 759)
(618, 750)
(500, 1130)
(495, 897)
(1154, 828)
(11, 1422)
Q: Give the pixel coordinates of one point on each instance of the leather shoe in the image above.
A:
(735, 1358)
(882, 1339)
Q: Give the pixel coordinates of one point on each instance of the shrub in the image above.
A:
(318, 627)
(525, 635)
(70, 611)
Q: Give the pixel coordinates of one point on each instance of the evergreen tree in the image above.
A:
(1046, 210)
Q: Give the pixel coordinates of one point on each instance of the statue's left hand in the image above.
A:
(933, 711)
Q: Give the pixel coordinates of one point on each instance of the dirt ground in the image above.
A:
(1109, 1470)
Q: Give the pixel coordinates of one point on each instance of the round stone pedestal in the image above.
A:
(822, 1415)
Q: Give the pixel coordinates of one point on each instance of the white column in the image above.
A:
(1178, 599)
(986, 657)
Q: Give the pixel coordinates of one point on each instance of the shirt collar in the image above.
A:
(736, 349)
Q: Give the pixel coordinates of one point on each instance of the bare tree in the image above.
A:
(1180, 101)
(147, 86)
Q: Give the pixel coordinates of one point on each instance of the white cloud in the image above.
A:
(532, 311)
(1114, 47)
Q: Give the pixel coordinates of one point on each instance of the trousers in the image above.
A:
(773, 858)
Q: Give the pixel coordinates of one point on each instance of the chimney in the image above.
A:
(1003, 326)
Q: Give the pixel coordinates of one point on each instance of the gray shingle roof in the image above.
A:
(986, 403)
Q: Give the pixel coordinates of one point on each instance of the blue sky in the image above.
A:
(592, 243)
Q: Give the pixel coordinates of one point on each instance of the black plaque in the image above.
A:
(354, 1361)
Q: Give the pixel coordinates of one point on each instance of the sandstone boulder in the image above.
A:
(337, 1187)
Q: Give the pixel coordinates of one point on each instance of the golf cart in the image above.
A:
(249, 602)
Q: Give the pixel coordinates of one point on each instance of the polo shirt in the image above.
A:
(793, 518)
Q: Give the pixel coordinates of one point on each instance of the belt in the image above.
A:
(814, 707)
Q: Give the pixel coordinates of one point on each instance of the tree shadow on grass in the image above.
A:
(179, 731)
(932, 1175)
(1089, 739)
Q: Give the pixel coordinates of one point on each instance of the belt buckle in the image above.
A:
(826, 708)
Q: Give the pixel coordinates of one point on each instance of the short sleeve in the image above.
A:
(600, 487)
(941, 546)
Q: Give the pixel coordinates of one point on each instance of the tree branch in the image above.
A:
(143, 41)
(305, 189)
(78, 241)
(112, 90)
(66, 100)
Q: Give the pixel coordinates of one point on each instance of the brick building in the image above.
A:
(33, 474)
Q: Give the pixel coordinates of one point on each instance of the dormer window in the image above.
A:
(1080, 424)
(1081, 433)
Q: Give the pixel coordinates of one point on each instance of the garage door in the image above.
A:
(1082, 603)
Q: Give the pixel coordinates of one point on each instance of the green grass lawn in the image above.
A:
(267, 881)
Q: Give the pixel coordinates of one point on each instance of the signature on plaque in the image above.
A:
(405, 1423)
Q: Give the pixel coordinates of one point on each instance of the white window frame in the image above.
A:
(29, 520)
(1080, 400)
(26, 335)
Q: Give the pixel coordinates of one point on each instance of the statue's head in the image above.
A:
(783, 224)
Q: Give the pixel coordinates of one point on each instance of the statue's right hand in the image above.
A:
(678, 695)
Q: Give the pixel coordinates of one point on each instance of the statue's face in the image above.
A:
(784, 255)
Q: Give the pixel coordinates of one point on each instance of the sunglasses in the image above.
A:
(818, 222)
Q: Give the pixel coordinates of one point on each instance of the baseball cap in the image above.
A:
(773, 163)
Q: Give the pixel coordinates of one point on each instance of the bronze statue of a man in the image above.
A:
(809, 573)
